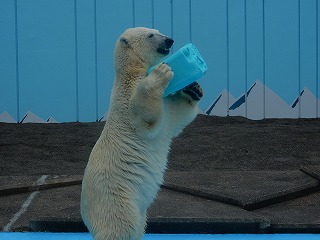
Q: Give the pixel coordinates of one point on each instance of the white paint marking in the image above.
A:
(25, 205)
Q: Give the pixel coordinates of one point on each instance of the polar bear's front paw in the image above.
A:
(193, 91)
(163, 73)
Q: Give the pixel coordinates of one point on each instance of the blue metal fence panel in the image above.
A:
(8, 64)
(57, 56)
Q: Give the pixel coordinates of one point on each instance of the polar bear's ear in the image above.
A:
(124, 41)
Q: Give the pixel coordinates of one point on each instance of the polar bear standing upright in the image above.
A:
(126, 165)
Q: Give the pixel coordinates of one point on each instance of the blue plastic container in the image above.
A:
(187, 65)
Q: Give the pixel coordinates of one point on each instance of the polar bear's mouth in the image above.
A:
(164, 48)
(164, 51)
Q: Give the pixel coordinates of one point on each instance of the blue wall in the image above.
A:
(57, 55)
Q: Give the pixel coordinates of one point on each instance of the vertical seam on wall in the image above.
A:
(246, 58)
(228, 83)
(96, 57)
(317, 61)
(133, 13)
(152, 13)
(299, 59)
(76, 58)
(171, 15)
(264, 58)
(190, 21)
(17, 59)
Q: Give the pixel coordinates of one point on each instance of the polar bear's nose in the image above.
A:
(169, 42)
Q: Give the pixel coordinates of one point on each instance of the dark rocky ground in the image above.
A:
(225, 174)
(209, 143)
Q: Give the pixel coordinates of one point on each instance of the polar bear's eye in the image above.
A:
(150, 35)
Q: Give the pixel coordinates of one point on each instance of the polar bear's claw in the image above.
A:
(194, 91)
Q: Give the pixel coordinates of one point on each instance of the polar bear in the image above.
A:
(127, 163)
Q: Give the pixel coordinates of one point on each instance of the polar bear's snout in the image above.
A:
(164, 48)
(169, 42)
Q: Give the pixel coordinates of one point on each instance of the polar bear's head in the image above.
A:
(142, 44)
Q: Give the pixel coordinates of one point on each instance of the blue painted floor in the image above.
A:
(86, 236)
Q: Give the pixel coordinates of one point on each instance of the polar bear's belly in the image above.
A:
(134, 164)
(144, 168)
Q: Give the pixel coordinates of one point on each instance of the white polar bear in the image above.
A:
(126, 165)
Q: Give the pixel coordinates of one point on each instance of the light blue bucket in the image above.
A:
(187, 65)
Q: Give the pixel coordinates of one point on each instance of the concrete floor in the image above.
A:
(225, 175)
